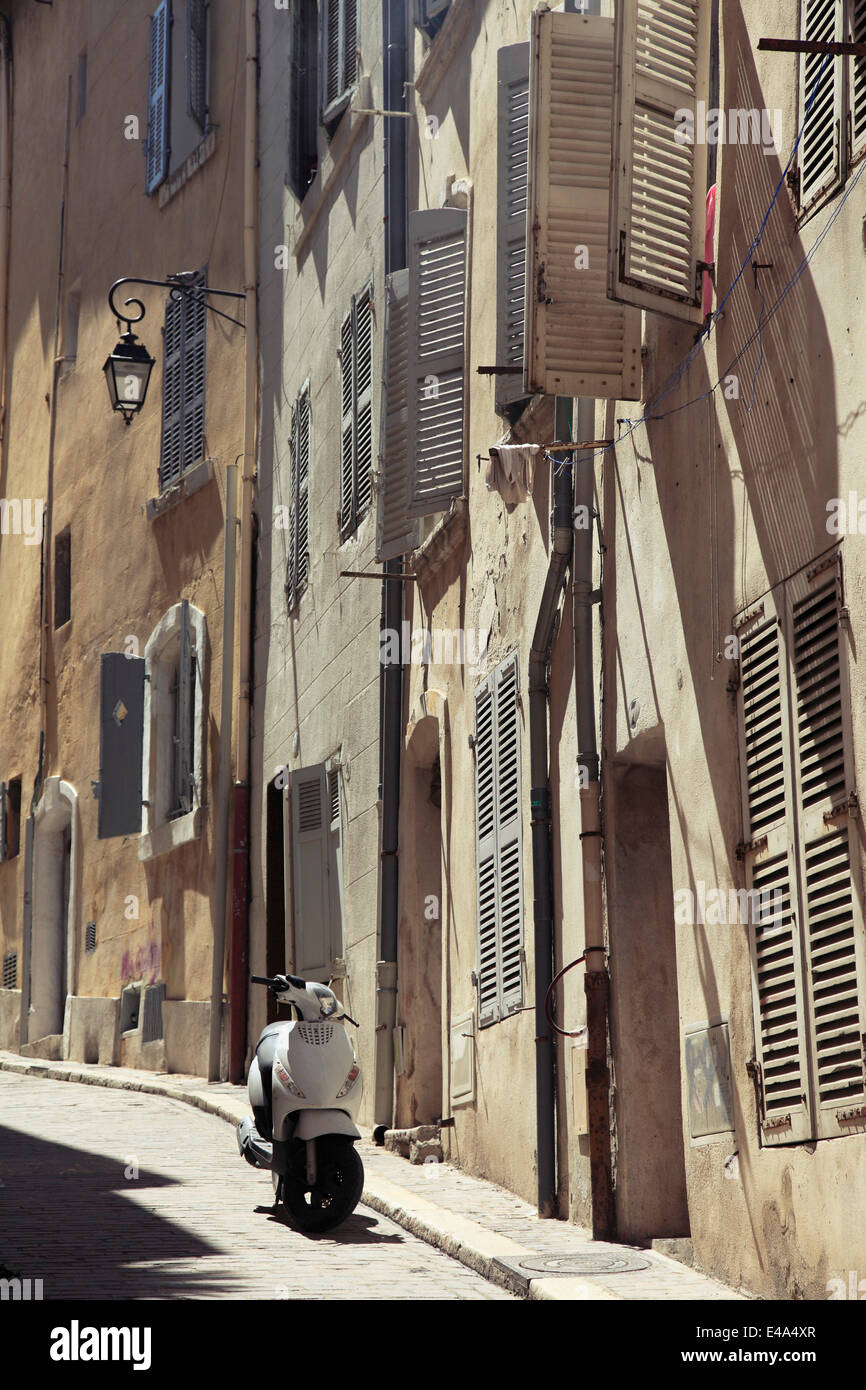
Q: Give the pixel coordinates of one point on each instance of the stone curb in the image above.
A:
(472, 1244)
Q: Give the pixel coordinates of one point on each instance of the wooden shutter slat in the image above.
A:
(157, 96)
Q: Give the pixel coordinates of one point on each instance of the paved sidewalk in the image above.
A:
(488, 1229)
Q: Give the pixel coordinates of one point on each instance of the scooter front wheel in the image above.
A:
(337, 1190)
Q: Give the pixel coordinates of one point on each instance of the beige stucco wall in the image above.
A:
(126, 571)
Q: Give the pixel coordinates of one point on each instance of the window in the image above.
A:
(297, 560)
(62, 578)
(800, 851)
(430, 14)
(183, 384)
(356, 429)
(317, 856)
(339, 55)
(10, 818)
(499, 843)
(177, 86)
(834, 136)
(172, 747)
(303, 97)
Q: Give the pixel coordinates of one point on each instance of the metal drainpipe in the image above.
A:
(391, 677)
(542, 856)
(596, 982)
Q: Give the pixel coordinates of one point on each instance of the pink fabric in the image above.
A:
(709, 249)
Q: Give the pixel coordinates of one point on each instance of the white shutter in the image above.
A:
(821, 147)
(577, 341)
(659, 185)
(395, 533)
(833, 914)
(485, 848)
(857, 79)
(335, 863)
(311, 888)
(512, 172)
(437, 310)
(775, 936)
(159, 66)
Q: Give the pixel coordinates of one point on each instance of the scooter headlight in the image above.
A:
(350, 1081)
(328, 1006)
(286, 1079)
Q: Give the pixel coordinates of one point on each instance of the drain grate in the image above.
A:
(585, 1264)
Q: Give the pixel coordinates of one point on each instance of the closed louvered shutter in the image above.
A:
(659, 185)
(364, 403)
(857, 79)
(196, 61)
(395, 532)
(512, 171)
(297, 561)
(194, 335)
(171, 456)
(157, 96)
(340, 45)
(437, 309)
(347, 419)
(833, 920)
(183, 386)
(310, 853)
(335, 865)
(499, 844)
(577, 341)
(821, 148)
(775, 924)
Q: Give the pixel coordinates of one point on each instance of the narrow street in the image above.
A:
(115, 1195)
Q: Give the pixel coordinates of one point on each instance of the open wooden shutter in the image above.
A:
(437, 310)
(340, 46)
(395, 531)
(512, 172)
(775, 922)
(121, 729)
(578, 342)
(298, 558)
(196, 61)
(184, 734)
(310, 854)
(157, 96)
(509, 834)
(171, 453)
(194, 337)
(829, 849)
(485, 848)
(347, 426)
(857, 79)
(659, 183)
(821, 148)
(364, 402)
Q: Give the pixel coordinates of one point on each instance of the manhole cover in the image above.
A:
(585, 1264)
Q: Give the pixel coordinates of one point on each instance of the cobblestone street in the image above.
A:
(118, 1195)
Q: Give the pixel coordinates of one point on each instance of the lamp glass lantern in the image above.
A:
(127, 372)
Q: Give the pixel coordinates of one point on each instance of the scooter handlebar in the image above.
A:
(279, 981)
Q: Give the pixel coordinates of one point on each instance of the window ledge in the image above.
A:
(318, 193)
(189, 482)
(443, 48)
(446, 537)
(169, 836)
(193, 162)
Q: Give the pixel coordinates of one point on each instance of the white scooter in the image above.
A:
(305, 1089)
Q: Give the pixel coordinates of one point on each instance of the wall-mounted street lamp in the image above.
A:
(127, 369)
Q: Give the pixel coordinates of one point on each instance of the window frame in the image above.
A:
(165, 825)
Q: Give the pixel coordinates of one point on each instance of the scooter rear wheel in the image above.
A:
(338, 1187)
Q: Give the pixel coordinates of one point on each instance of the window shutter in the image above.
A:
(347, 427)
(157, 96)
(437, 295)
(121, 727)
(512, 161)
(3, 842)
(659, 185)
(364, 402)
(775, 937)
(184, 736)
(292, 557)
(395, 532)
(350, 42)
(833, 916)
(857, 80)
(333, 86)
(310, 856)
(577, 341)
(509, 823)
(485, 847)
(196, 61)
(303, 97)
(335, 864)
(171, 455)
(821, 147)
(194, 329)
(297, 563)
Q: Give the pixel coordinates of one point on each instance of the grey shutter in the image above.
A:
(437, 308)
(196, 61)
(332, 65)
(778, 985)
(485, 849)
(157, 96)
(184, 736)
(121, 725)
(339, 51)
(171, 454)
(297, 565)
(292, 557)
(364, 402)
(577, 341)
(3, 840)
(833, 913)
(858, 80)
(350, 42)
(193, 393)
(659, 183)
(335, 864)
(347, 422)
(509, 835)
(821, 148)
(310, 855)
(512, 171)
(395, 532)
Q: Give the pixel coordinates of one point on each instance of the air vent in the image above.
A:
(90, 937)
(777, 988)
(151, 1018)
(315, 1034)
(10, 970)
